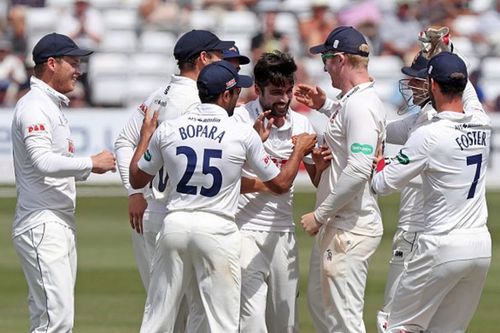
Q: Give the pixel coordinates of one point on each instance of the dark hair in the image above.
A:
(275, 67)
(205, 98)
(455, 88)
(40, 68)
(187, 64)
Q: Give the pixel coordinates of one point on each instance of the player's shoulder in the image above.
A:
(364, 103)
(246, 113)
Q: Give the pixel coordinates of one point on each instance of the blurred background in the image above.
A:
(133, 42)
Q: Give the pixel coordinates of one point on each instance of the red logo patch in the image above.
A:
(71, 146)
(36, 128)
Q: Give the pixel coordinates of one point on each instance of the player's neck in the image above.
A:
(451, 105)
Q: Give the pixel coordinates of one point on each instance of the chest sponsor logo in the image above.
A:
(402, 158)
(36, 128)
(147, 156)
(357, 148)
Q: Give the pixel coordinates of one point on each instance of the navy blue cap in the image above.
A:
(447, 67)
(233, 53)
(342, 39)
(220, 76)
(56, 45)
(418, 67)
(194, 42)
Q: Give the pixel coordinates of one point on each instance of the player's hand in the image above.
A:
(103, 162)
(322, 156)
(309, 223)
(136, 207)
(264, 130)
(434, 41)
(312, 97)
(150, 123)
(304, 142)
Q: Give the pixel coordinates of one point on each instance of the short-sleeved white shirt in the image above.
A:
(451, 155)
(411, 206)
(179, 97)
(203, 153)
(268, 211)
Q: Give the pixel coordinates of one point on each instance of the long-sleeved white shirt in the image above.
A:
(451, 155)
(355, 129)
(180, 96)
(44, 165)
(269, 211)
(411, 205)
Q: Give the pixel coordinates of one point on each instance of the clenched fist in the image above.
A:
(103, 162)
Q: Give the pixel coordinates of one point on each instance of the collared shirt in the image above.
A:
(179, 97)
(203, 153)
(44, 165)
(356, 127)
(269, 211)
(451, 155)
(411, 211)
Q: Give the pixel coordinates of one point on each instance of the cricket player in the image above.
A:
(269, 253)
(45, 169)
(349, 217)
(147, 208)
(199, 244)
(411, 212)
(442, 281)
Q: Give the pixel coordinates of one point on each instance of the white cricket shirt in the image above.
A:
(203, 152)
(44, 165)
(411, 214)
(355, 129)
(269, 211)
(451, 154)
(180, 96)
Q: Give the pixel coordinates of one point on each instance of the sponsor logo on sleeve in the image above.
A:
(361, 148)
(36, 128)
(267, 159)
(147, 156)
(402, 158)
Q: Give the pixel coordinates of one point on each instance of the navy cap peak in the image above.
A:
(56, 45)
(418, 67)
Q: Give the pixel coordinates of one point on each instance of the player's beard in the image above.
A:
(277, 109)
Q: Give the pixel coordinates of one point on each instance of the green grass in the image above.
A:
(109, 294)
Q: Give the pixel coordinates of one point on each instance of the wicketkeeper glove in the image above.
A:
(434, 41)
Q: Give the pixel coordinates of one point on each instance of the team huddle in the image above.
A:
(210, 190)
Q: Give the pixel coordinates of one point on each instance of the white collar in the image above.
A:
(183, 80)
(453, 116)
(53, 94)
(342, 98)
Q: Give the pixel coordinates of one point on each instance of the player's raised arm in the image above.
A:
(139, 178)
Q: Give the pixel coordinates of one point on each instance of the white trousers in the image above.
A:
(403, 245)
(442, 283)
(144, 246)
(269, 282)
(196, 254)
(314, 292)
(48, 258)
(344, 269)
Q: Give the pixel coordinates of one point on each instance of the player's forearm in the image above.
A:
(284, 181)
(251, 185)
(52, 164)
(137, 177)
(346, 188)
(123, 159)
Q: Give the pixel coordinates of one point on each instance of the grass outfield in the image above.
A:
(109, 294)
